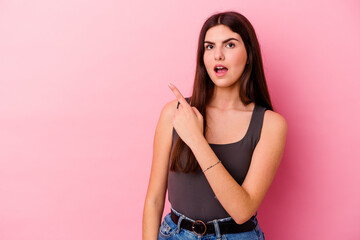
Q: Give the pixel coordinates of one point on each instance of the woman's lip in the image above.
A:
(219, 65)
(221, 73)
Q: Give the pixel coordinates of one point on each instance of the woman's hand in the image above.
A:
(187, 120)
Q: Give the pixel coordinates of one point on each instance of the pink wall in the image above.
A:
(82, 84)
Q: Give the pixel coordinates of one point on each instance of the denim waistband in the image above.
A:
(214, 221)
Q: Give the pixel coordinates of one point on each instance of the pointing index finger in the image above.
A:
(179, 96)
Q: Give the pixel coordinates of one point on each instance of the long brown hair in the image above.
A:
(253, 86)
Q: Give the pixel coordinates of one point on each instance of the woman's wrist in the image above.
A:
(195, 141)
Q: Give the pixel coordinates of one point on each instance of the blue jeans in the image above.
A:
(171, 231)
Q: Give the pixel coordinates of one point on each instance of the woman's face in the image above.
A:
(225, 47)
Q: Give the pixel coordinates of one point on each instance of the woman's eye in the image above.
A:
(231, 44)
(207, 47)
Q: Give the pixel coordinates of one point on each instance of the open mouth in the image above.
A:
(220, 69)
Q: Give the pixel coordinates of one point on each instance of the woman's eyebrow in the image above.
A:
(223, 41)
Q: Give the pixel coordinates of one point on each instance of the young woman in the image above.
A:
(217, 151)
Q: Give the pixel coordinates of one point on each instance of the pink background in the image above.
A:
(82, 84)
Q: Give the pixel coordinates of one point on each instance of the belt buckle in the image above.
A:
(197, 224)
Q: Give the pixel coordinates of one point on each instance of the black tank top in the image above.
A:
(191, 194)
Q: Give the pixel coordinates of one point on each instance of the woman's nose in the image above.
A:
(219, 54)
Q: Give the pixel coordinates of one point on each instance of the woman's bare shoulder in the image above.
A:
(169, 109)
(274, 121)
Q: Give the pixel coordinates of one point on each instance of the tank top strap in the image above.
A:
(256, 125)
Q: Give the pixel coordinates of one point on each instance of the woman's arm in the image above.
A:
(241, 202)
(155, 197)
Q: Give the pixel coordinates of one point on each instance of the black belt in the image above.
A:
(201, 228)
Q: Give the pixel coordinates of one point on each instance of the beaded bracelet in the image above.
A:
(212, 166)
